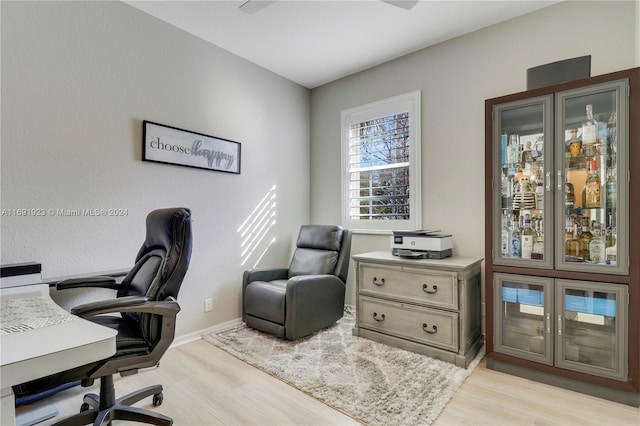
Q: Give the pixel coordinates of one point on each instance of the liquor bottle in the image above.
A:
(589, 132)
(585, 239)
(568, 236)
(513, 150)
(505, 237)
(575, 143)
(613, 133)
(612, 187)
(592, 187)
(575, 251)
(538, 148)
(611, 253)
(504, 190)
(515, 250)
(517, 149)
(608, 238)
(512, 154)
(504, 187)
(539, 191)
(538, 246)
(603, 137)
(527, 238)
(569, 195)
(503, 149)
(527, 155)
(596, 246)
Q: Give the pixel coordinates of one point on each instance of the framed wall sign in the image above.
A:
(166, 144)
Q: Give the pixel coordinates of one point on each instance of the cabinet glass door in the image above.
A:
(591, 328)
(523, 317)
(592, 179)
(522, 201)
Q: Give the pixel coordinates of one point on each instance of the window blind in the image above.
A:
(379, 184)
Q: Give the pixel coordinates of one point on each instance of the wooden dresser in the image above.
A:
(426, 306)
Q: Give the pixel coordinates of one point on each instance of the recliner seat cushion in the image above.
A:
(266, 300)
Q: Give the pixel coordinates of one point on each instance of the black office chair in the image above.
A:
(146, 301)
(307, 296)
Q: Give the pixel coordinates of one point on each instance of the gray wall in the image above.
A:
(78, 78)
(455, 78)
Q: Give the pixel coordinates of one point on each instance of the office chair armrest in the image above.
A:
(127, 304)
(167, 307)
(98, 281)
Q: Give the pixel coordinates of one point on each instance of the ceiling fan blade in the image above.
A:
(404, 4)
(253, 6)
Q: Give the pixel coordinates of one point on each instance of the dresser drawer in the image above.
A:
(429, 326)
(433, 288)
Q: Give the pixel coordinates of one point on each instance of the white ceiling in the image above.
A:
(314, 42)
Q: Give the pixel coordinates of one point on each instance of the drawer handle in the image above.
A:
(378, 283)
(434, 328)
(433, 290)
(375, 317)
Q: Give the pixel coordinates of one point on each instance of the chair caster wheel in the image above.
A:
(84, 407)
(157, 399)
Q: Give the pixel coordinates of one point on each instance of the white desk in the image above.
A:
(38, 338)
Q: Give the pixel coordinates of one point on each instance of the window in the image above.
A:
(381, 165)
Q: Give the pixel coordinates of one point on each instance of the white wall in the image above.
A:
(78, 78)
(455, 78)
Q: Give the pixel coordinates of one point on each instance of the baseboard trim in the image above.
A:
(197, 335)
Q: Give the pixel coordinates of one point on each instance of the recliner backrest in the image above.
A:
(161, 264)
(318, 251)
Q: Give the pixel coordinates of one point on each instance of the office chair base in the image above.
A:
(118, 409)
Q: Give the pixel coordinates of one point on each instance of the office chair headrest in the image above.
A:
(166, 228)
(169, 235)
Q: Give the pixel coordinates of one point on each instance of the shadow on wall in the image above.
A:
(257, 230)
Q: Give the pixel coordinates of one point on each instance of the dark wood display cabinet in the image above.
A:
(562, 241)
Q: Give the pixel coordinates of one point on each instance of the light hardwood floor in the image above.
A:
(204, 385)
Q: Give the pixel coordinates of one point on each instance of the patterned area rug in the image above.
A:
(371, 382)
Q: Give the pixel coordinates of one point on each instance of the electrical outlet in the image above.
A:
(208, 305)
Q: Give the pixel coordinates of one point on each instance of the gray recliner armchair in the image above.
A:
(309, 295)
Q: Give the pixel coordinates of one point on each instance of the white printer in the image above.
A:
(421, 244)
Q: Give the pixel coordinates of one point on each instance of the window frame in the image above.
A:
(408, 102)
